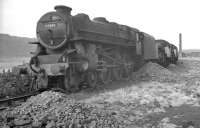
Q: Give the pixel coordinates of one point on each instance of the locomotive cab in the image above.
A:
(163, 52)
(174, 54)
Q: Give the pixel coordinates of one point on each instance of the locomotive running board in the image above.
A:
(36, 42)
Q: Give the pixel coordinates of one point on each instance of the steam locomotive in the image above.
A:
(74, 50)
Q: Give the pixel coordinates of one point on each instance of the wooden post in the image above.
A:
(180, 45)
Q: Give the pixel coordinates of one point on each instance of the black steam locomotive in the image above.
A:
(74, 50)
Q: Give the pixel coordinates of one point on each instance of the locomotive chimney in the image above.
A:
(180, 45)
(63, 9)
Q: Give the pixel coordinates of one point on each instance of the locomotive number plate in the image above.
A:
(50, 25)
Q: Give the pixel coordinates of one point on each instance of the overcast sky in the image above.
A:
(164, 19)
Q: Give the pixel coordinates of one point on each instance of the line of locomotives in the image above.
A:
(74, 50)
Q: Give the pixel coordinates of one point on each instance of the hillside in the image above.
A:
(13, 46)
(192, 52)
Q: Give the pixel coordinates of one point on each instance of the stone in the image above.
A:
(36, 124)
(21, 122)
(51, 124)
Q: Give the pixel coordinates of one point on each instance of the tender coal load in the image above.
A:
(154, 71)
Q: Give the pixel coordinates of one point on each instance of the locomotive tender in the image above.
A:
(74, 49)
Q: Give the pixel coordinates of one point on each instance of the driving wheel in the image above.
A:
(72, 83)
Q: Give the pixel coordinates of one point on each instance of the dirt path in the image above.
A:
(155, 98)
(183, 116)
(186, 76)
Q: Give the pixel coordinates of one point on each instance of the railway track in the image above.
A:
(9, 101)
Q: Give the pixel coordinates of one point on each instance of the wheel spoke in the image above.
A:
(92, 79)
(105, 76)
(116, 74)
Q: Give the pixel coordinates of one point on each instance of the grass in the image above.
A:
(8, 63)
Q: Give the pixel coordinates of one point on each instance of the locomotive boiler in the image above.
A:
(75, 50)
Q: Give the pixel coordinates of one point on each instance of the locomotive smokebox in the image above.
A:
(63, 9)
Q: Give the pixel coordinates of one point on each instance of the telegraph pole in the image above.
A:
(180, 45)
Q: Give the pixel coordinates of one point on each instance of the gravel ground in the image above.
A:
(156, 97)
